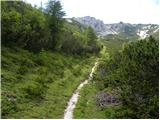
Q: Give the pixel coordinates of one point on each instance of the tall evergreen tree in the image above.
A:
(91, 36)
(55, 20)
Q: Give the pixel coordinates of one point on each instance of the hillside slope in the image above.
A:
(39, 85)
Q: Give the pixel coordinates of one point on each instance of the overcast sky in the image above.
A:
(111, 11)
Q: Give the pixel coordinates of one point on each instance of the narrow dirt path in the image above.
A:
(68, 114)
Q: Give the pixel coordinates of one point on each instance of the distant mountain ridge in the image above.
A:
(127, 29)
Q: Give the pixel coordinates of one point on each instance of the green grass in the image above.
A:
(39, 85)
(113, 43)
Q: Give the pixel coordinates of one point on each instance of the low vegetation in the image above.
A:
(39, 85)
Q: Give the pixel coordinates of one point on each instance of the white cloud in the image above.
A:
(111, 11)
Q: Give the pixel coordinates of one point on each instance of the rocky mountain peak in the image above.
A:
(96, 24)
(127, 29)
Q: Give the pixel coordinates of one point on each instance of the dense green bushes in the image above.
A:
(134, 72)
(24, 26)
